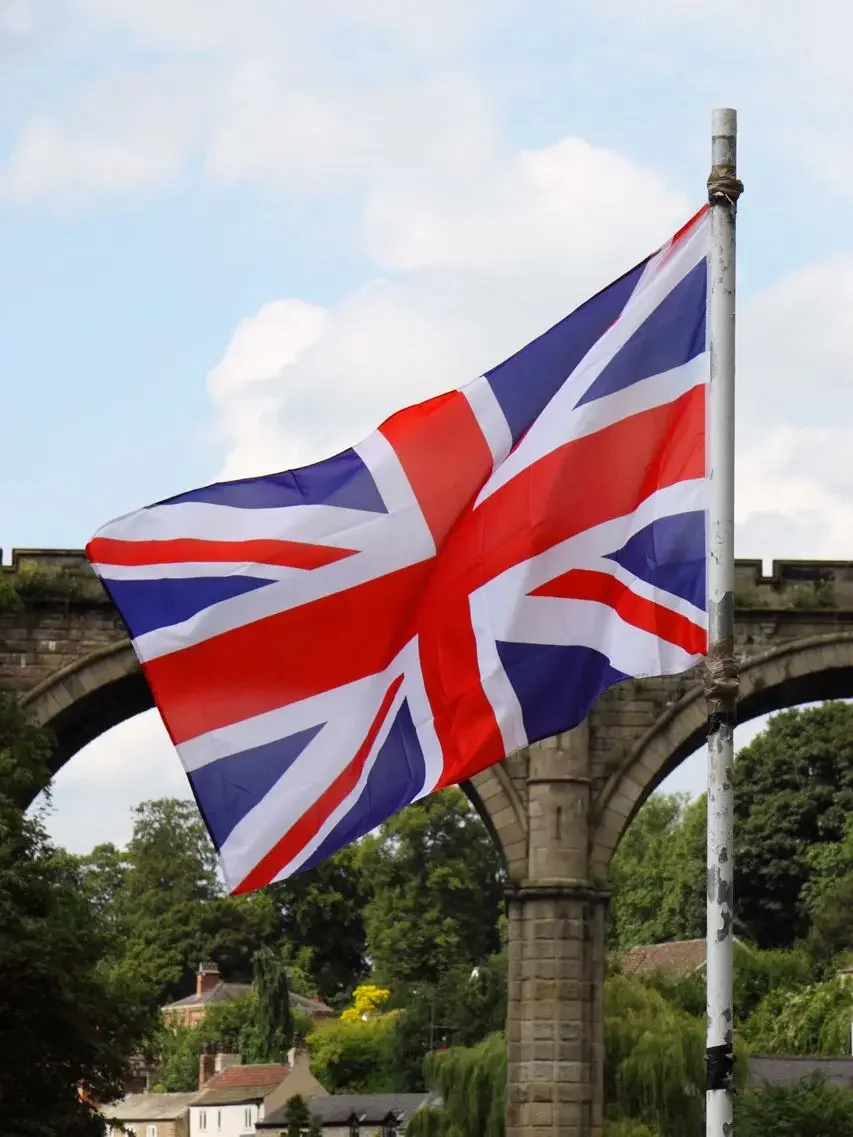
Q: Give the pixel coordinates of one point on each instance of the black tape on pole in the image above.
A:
(720, 1065)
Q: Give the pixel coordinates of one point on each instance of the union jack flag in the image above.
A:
(328, 644)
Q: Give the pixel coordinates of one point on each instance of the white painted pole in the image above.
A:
(721, 683)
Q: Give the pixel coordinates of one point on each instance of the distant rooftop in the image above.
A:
(210, 988)
(242, 1083)
(778, 1070)
(149, 1107)
(371, 1109)
(675, 959)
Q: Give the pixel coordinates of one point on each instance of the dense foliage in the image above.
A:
(658, 874)
(809, 1108)
(793, 795)
(67, 1025)
(793, 845)
(436, 894)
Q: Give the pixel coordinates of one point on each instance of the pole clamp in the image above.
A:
(723, 182)
(720, 1068)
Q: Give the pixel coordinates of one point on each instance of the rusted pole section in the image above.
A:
(721, 679)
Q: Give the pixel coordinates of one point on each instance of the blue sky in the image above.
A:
(234, 234)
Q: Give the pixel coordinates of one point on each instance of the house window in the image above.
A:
(389, 1127)
(151, 1131)
(202, 1119)
(219, 1119)
(354, 1127)
(247, 1117)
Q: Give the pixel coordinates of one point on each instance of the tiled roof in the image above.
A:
(218, 994)
(771, 1070)
(149, 1107)
(675, 959)
(223, 992)
(337, 1109)
(243, 1083)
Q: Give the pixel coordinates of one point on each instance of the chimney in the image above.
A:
(207, 977)
(226, 1059)
(206, 1065)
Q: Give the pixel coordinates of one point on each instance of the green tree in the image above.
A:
(809, 1108)
(437, 890)
(172, 906)
(296, 1116)
(793, 794)
(813, 1020)
(354, 1057)
(472, 1084)
(461, 1009)
(654, 1069)
(625, 1127)
(66, 1024)
(274, 1018)
(658, 874)
(315, 1126)
(321, 918)
(757, 973)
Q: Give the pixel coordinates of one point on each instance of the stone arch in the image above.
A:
(495, 798)
(800, 671)
(88, 697)
(100, 690)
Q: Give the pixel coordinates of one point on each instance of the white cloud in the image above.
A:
(130, 132)
(795, 407)
(306, 138)
(262, 27)
(552, 226)
(243, 385)
(571, 203)
(94, 793)
(24, 24)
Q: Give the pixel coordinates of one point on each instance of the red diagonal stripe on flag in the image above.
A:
(601, 588)
(337, 639)
(177, 550)
(284, 658)
(581, 484)
(310, 823)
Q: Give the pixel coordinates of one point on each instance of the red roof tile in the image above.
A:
(248, 1076)
(675, 959)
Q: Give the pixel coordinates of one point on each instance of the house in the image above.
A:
(233, 1098)
(356, 1115)
(210, 988)
(149, 1115)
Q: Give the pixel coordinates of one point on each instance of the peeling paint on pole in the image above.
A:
(721, 671)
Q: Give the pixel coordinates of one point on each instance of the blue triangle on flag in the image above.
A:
(669, 554)
(555, 684)
(672, 335)
(229, 788)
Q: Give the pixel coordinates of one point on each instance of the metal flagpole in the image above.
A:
(721, 676)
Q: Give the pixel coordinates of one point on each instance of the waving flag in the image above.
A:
(328, 644)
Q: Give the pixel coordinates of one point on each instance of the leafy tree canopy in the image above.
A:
(321, 918)
(436, 885)
(809, 1108)
(812, 1020)
(67, 1026)
(658, 874)
(793, 794)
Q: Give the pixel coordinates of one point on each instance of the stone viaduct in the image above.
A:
(556, 811)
